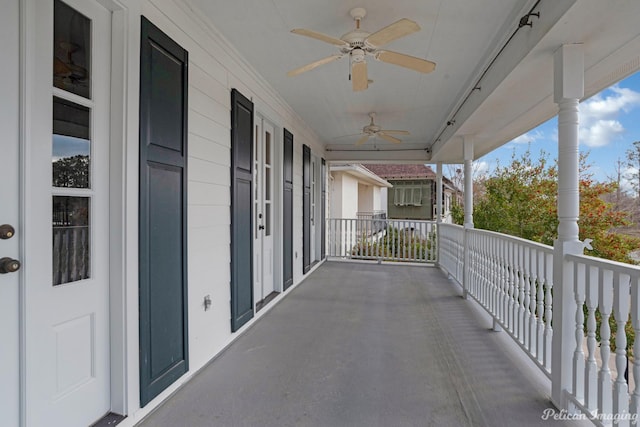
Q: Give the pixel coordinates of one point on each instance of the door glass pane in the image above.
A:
(71, 50)
(267, 219)
(267, 148)
(71, 250)
(267, 184)
(71, 152)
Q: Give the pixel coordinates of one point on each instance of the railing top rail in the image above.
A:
(454, 226)
(520, 240)
(530, 243)
(616, 266)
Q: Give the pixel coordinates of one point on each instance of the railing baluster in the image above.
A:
(521, 293)
(591, 368)
(634, 408)
(527, 297)
(604, 376)
(578, 353)
(548, 312)
(540, 309)
(513, 252)
(533, 292)
(621, 315)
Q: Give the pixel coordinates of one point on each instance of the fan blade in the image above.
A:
(398, 29)
(313, 65)
(359, 78)
(407, 61)
(389, 138)
(396, 132)
(319, 36)
(362, 140)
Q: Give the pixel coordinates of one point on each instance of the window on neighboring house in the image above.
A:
(407, 196)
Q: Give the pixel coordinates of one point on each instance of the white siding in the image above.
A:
(214, 69)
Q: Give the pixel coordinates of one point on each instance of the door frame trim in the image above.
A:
(276, 196)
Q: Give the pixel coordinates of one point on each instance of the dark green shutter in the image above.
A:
(163, 212)
(323, 205)
(241, 210)
(306, 209)
(287, 211)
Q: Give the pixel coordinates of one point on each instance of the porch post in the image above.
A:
(568, 89)
(468, 182)
(439, 212)
(468, 212)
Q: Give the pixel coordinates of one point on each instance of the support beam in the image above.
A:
(568, 89)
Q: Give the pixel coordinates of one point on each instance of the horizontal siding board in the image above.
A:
(200, 216)
(211, 151)
(207, 194)
(200, 79)
(207, 128)
(203, 171)
(208, 107)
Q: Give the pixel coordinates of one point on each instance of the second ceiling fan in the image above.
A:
(373, 130)
(359, 43)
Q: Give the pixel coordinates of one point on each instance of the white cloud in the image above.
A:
(529, 137)
(598, 115)
(600, 133)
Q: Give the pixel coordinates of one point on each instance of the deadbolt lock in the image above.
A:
(6, 231)
(9, 265)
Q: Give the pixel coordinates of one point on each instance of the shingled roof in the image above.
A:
(402, 171)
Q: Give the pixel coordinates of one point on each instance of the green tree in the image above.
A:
(521, 200)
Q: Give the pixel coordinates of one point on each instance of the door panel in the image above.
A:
(287, 211)
(66, 221)
(163, 207)
(241, 210)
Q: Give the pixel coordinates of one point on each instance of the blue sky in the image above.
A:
(609, 124)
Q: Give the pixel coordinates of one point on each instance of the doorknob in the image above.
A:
(261, 227)
(9, 265)
(6, 231)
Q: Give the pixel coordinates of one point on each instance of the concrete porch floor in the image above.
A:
(367, 345)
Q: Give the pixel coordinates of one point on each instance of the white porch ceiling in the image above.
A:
(467, 41)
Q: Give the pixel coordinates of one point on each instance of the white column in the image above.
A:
(468, 211)
(439, 213)
(468, 182)
(568, 89)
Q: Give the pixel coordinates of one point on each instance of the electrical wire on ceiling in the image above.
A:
(524, 22)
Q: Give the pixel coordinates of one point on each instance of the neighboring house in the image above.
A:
(356, 192)
(413, 195)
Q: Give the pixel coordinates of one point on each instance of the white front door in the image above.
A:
(9, 216)
(263, 209)
(66, 217)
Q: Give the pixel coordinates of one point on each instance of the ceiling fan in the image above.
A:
(373, 129)
(360, 43)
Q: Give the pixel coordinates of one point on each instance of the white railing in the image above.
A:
(451, 250)
(608, 293)
(512, 279)
(383, 240)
